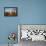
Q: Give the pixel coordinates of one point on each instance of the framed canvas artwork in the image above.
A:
(10, 11)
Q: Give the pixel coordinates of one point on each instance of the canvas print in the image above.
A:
(10, 11)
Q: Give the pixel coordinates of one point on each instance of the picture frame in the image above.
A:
(10, 11)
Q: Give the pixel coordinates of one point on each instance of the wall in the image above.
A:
(34, 12)
(8, 24)
(29, 12)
